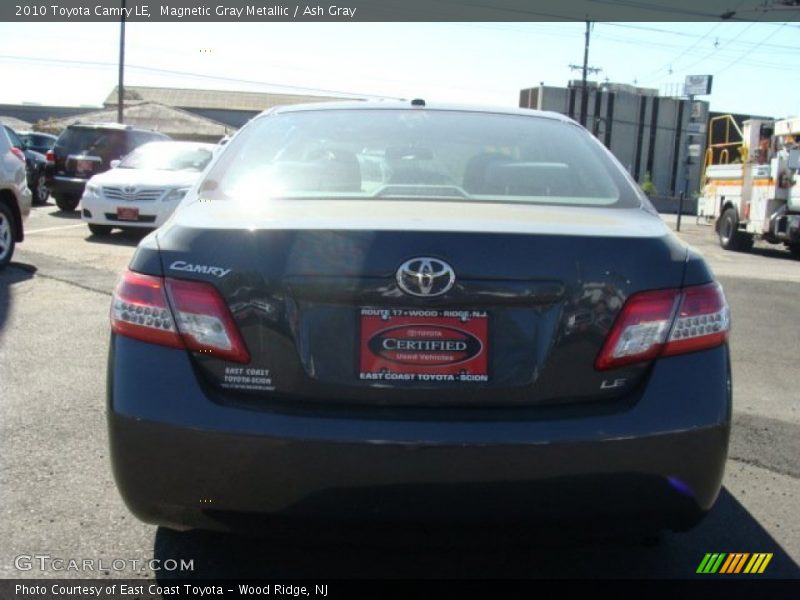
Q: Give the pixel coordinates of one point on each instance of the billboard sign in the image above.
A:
(697, 85)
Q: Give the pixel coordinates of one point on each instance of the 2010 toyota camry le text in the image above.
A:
(402, 312)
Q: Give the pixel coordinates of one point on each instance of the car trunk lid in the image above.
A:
(323, 313)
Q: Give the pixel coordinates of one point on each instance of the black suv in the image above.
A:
(85, 149)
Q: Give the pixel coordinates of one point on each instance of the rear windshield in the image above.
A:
(93, 141)
(167, 156)
(397, 153)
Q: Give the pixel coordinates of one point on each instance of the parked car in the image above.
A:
(15, 197)
(87, 149)
(37, 141)
(146, 186)
(35, 167)
(494, 325)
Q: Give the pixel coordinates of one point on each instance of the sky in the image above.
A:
(755, 65)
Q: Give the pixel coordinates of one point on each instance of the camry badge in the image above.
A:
(425, 276)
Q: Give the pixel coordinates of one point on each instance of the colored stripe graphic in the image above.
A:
(727, 564)
(734, 563)
(711, 563)
(758, 563)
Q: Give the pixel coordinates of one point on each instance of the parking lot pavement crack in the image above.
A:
(101, 281)
(767, 443)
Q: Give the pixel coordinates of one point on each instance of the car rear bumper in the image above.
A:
(60, 185)
(182, 460)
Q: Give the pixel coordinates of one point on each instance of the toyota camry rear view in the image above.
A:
(403, 312)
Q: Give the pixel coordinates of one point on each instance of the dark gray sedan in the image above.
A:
(401, 312)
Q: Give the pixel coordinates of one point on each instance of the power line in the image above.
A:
(658, 8)
(693, 46)
(196, 75)
(733, 62)
(710, 54)
(678, 33)
(561, 30)
(669, 64)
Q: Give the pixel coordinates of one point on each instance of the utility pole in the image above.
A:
(585, 69)
(584, 93)
(121, 84)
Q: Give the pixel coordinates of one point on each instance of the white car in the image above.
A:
(15, 197)
(145, 187)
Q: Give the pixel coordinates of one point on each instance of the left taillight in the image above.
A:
(18, 153)
(666, 323)
(176, 313)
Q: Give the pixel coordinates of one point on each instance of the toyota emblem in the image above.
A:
(425, 276)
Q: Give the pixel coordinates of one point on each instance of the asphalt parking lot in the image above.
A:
(58, 497)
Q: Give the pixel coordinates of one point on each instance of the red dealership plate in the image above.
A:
(423, 345)
(125, 213)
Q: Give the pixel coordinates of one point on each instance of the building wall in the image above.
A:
(646, 133)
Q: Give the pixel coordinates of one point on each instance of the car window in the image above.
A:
(42, 140)
(14, 138)
(114, 144)
(5, 143)
(143, 137)
(168, 157)
(85, 140)
(419, 154)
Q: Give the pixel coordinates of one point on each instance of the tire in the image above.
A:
(794, 249)
(7, 235)
(67, 203)
(40, 191)
(730, 238)
(99, 229)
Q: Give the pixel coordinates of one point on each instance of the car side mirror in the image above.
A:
(115, 163)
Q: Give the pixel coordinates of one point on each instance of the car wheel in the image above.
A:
(730, 238)
(794, 249)
(67, 203)
(40, 191)
(7, 235)
(99, 229)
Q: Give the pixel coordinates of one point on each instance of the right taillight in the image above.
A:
(50, 156)
(666, 323)
(176, 313)
(703, 320)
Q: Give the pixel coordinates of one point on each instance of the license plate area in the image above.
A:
(127, 213)
(428, 346)
(84, 166)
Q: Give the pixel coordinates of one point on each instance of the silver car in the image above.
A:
(15, 197)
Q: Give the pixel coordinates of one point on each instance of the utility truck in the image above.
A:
(750, 184)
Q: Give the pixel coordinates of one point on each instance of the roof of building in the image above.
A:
(211, 99)
(171, 121)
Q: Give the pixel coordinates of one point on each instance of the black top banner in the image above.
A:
(398, 10)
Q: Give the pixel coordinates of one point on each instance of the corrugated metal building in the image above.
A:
(647, 133)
